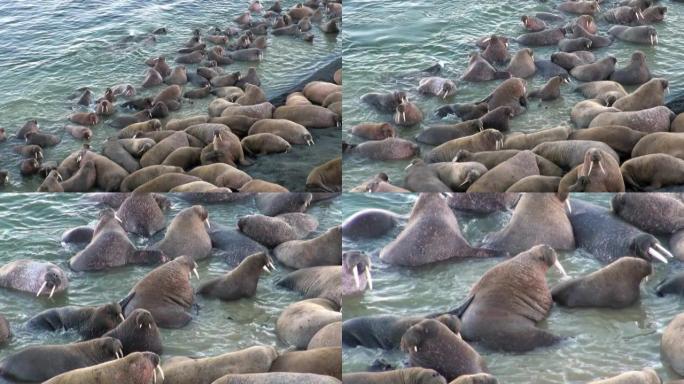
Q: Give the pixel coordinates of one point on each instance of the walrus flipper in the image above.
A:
(458, 311)
(124, 302)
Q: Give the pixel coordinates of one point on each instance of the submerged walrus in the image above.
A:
(88, 322)
(431, 222)
(239, 282)
(33, 276)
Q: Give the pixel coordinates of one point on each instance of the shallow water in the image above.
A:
(31, 226)
(601, 343)
(387, 43)
(51, 48)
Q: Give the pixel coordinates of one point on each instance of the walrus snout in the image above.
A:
(647, 247)
(52, 281)
(358, 262)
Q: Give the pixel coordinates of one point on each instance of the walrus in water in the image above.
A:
(138, 333)
(273, 204)
(487, 140)
(88, 322)
(240, 282)
(550, 90)
(643, 34)
(318, 282)
(386, 331)
(635, 73)
(369, 223)
(372, 131)
(673, 284)
(271, 231)
(537, 219)
(322, 250)
(41, 363)
(607, 237)
(542, 38)
(431, 344)
(385, 102)
(136, 368)
(110, 247)
(656, 213)
(430, 211)
(5, 331)
(142, 213)
(569, 60)
(407, 114)
(619, 138)
(496, 50)
(208, 369)
(613, 286)
(507, 173)
(645, 376)
(479, 69)
(165, 292)
(187, 234)
(404, 375)
(510, 93)
(599, 70)
(656, 119)
(300, 321)
(33, 276)
(392, 148)
(504, 306)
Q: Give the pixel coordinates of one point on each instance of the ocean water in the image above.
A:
(386, 44)
(601, 342)
(51, 48)
(31, 226)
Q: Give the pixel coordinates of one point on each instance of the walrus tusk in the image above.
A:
(116, 353)
(154, 375)
(663, 250)
(121, 316)
(355, 272)
(196, 273)
(116, 216)
(41, 288)
(265, 268)
(657, 255)
(369, 278)
(651, 39)
(463, 183)
(403, 117)
(415, 348)
(408, 166)
(52, 292)
(271, 265)
(455, 159)
(140, 326)
(207, 221)
(560, 268)
(161, 372)
(602, 169)
(591, 166)
(567, 203)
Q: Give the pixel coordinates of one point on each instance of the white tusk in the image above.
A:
(591, 166)
(161, 372)
(265, 268)
(415, 348)
(463, 183)
(196, 273)
(41, 288)
(369, 278)
(121, 316)
(663, 250)
(154, 376)
(355, 272)
(560, 268)
(657, 255)
(567, 203)
(651, 39)
(403, 117)
(149, 326)
(52, 292)
(116, 216)
(116, 353)
(140, 326)
(408, 166)
(602, 170)
(207, 221)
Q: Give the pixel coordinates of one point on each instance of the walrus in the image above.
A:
(678, 123)
(479, 69)
(271, 231)
(465, 112)
(318, 282)
(79, 131)
(159, 152)
(605, 236)
(550, 90)
(186, 158)
(264, 144)
(542, 38)
(570, 60)
(606, 177)
(457, 176)
(507, 173)
(224, 148)
(134, 130)
(523, 141)
(310, 116)
(79, 235)
(385, 102)
(29, 167)
(328, 336)
(273, 204)
(537, 219)
(568, 154)
(422, 177)
(653, 14)
(391, 148)
(374, 131)
(152, 78)
(178, 76)
(51, 183)
(263, 110)
(42, 139)
(326, 177)
(317, 91)
(645, 376)
(300, 321)
(183, 123)
(253, 95)
(29, 126)
(165, 292)
(144, 175)
(496, 50)
(33, 276)
(597, 41)
(6, 332)
(536, 183)
(634, 73)
(33, 150)
(431, 344)
(437, 86)
(84, 118)
(323, 361)
(240, 282)
(136, 368)
(487, 140)
(369, 223)
(522, 64)
(384, 331)
(41, 363)
(643, 34)
(673, 284)
(574, 44)
(656, 213)
(599, 70)
(649, 95)
(430, 211)
(405, 375)
(138, 333)
(621, 139)
(656, 119)
(208, 369)
(407, 114)
(109, 174)
(195, 57)
(321, 250)
(168, 95)
(277, 377)
(613, 286)
(624, 15)
(442, 133)
(659, 142)
(670, 346)
(238, 124)
(115, 151)
(509, 93)
(187, 235)
(600, 89)
(166, 182)
(291, 131)
(588, 7)
(235, 246)
(88, 322)
(83, 180)
(532, 23)
(110, 247)
(221, 175)
(495, 317)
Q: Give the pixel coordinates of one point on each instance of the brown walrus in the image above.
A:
(300, 321)
(239, 282)
(404, 375)
(187, 234)
(136, 368)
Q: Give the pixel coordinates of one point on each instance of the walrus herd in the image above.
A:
(506, 307)
(153, 147)
(621, 138)
(122, 341)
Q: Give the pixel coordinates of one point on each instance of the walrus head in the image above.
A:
(51, 281)
(462, 156)
(412, 341)
(471, 176)
(92, 118)
(356, 263)
(145, 365)
(593, 158)
(494, 137)
(4, 177)
(429, 376)
(647, 247)
(652, 34)
(110, 346)
(107, 317)
(525, 21)
(259, 261)
(189, 264)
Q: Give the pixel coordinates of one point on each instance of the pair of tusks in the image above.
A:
(499, 144)
(194, 270)
(658, 255)
(639, 15)
(148, 326)
(656, 39)
(52, 292)
(269, 267)
(309, 142)
(154, 373)
(119, 354)
(403, 117)
(591, 166)
(369, 279)
(446, 92)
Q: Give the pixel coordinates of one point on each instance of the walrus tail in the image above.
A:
(458, 311)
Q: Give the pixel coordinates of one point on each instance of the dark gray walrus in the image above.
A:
(431, 222)
(273, 204)
(384, 331)
(138, 333)
(41, 363)
(322, 250)
(88, 322)
(142, 213)
(165, 292)
(656, 213)
(369, 223)
(240, 282)
(613, 286)
(503, 308)
(234, 246)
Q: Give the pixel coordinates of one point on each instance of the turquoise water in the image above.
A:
(386, 43)
(51, 48)
(31, 226)
(601, 343)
